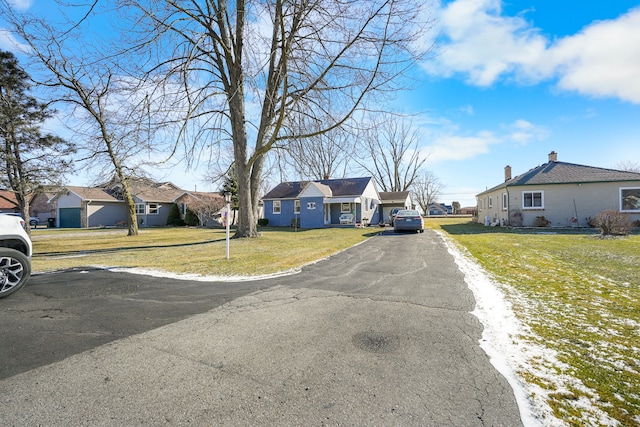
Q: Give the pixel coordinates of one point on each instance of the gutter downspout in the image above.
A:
(506, 187)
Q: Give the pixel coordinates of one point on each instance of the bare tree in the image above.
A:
(205, 206)
(629, 166)
(322, 156)
(425, 190)
(252, 69)
(394, 159)
(108, 111)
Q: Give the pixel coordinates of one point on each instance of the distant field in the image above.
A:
(580, 295)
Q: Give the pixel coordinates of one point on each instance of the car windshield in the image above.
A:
(408, 213)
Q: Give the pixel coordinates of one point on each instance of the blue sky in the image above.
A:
(510, 82)
(513, 81)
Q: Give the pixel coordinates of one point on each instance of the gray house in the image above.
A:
(81, 207)
(565, 194)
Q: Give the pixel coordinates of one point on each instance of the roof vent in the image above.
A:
(553, 156)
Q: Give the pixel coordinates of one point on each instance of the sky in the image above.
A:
(512, 81)
(509, 82)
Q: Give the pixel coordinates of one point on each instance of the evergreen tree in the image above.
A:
(173, 217)
(231, 186)
(28, 157)
(191, 219)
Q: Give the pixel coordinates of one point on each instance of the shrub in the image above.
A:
(541, 221)
(173, 218)
(191, 219)
(613, 223)
(263, 222)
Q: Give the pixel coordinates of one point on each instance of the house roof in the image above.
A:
(339, 188)
(554, 172)
(88, 193)
(393, 196)
(164, 192)
(8, 200)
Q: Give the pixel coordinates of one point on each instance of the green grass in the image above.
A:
(580, 295)
(189, 250)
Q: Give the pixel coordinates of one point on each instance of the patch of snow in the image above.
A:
(200, 278)
(501, 340)
(511, 355)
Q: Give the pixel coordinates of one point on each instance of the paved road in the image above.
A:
(380, 334)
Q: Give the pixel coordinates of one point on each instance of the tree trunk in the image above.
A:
(132, 218)
(247, 222)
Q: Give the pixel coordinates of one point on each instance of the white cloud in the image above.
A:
(21, 4)
(603, 59)
(467, 109)
(523, 132)
(9, 43)
(454, 147)
(483, 45)
(449, 144)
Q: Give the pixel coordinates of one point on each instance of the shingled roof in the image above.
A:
(339, 188)
(8, 200)
(393, 196)
(554, 172)
(89, 193)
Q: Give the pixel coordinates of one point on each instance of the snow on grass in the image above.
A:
(515, 357)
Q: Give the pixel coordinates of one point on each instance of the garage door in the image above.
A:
(70, 218)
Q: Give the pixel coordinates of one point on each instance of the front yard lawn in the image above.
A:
(184, 250)
(579, 295)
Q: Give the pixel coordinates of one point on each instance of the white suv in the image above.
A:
(15, 255)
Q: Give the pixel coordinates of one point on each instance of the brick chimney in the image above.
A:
(507, 173)
(553, 156)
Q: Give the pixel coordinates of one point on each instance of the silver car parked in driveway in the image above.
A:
(15, 255)
(408, 220)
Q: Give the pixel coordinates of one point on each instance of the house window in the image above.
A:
(533, 200)
(505, 201)
(630, 199)
(154, 208)
(140, 209)
(345, 207)
(183, 208)
(296, 206)
(311, 205)
(490, 202)
(276, 206)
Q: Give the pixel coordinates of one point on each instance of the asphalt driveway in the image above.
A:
(380, 334)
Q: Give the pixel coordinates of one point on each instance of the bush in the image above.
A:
(263, 222)
(173, 218)
(613, 223)
(541, 221)
(191, 219)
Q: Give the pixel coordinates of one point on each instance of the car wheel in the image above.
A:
(33, 223)
(15, 269)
